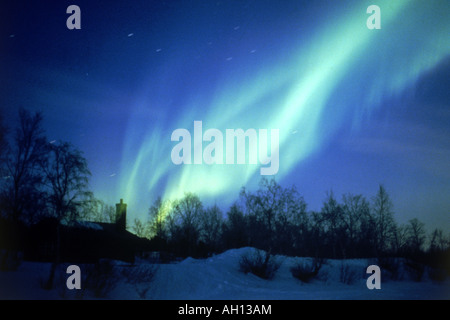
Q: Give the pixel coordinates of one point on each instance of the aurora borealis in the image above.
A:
(354, 107)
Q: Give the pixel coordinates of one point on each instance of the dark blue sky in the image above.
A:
(355, 107)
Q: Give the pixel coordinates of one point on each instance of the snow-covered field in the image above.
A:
(219, 277)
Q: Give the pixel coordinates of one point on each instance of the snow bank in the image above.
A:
(219, 277)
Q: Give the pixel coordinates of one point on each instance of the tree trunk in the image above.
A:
(50, 281)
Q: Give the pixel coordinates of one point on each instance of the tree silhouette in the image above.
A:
(438, 241)
(355, 210)
(332, 214)
(66, 177)
(290, 221)
(184, 224)
(211, 228)
(97, 210)
(262, 207)
(384, 221)
(21, 195)
(158, 213)
(415, 231)
(139, 228)
(235, 232)
(276, 217)
(400, 239)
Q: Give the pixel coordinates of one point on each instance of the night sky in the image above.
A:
(355, 107)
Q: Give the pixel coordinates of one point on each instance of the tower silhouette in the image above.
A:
(121, 215)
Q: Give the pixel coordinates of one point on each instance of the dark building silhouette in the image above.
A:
(79, 241)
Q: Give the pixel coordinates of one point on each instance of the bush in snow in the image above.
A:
(305, 272)
(140, 276)
(348, 274)
(260, 263)
(415, 269)
(100, 278)
(391, 265)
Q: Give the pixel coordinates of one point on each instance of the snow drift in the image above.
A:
(218, 277)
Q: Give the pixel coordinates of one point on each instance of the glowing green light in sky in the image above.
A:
(293, 96)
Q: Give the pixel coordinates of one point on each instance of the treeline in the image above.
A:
(276, 220)
(42, 178)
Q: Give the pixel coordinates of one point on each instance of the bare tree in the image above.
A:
(273, 214)
(138, 228)
(332, 213)
(97, 210)
(184, 222)
(158, 213)
(400, 239)
(384, 221)
(416, 235)
(355, 207)
(235, 228)
(66, 177)
(211, 227)
(291, 223)
(22, 179)
(438, 241)
(262, 208)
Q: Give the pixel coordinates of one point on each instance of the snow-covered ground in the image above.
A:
(219, 277)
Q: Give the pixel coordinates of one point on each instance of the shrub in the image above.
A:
(140, 277)
(415, 269)
(260, 263)
(305, 272)
(348, 275)
(392, 265)
(100, 278)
